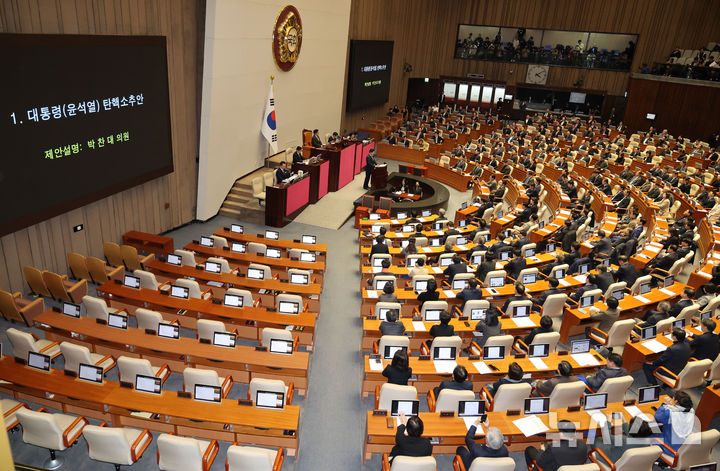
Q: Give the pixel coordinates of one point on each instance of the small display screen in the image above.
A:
(432, 315)
(149, 384)
(273, 235)
(281, 346)
(206, 241)
(287, 307)
(579, 346)
(444, 353)
(224, 339)
(273, 253)
(497, 282)
(595, 401)
(540, 405)
(409, 408)
(90, 373)
(270, 400)
(70, 309)
(391, 349)
(132, 281)
(255, 274)
(173, 259)
(117, 320)
(538, 350)
(170, 331)
(233, 300)
(204, 392)
(238, 247)
(212, 267)
(179, 292)
(494, 352)
(38, 361)
(309, 239)
(236, 228)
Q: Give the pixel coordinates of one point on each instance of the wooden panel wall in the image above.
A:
(425, 32)
(143, 207)
(685, 109)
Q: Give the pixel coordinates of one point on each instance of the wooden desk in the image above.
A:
(318, 172)
(226, 421)
(402, 153)
(321, 249)
(283, 202)
(575, 320)
(242, 362)
(453, 178)
(708, 407)
(150, 243)
(451, 431)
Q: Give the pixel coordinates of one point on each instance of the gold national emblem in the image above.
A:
(287, 38)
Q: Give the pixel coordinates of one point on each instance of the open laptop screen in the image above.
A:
(494, 352)
(648, 394)
(579, 346)
(537, 405)
(540, 350)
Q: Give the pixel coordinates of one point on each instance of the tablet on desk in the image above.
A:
(233, 300)
(537, 405)
(461, 241)
(497, 282)
(446, 262)
(148, 384)
(38, 361)
(255, 274)
(272, 252)
(270, 400)
(300, 279)
(206, 241)
(212, 267)
(374, 217)
(529, 278)
(180, 292)
(494, 352)
(559, 274)
(432, 315)
(408, 228)
(238, 247)
(645, 288)
(90, 373)
(168, 331)
(281, 346)
(425, 213)
(307, 257)
(272, 235)
(478, 314)
(384, 311)
(236, 228)
(579, 346)
(131, 281)
(421, 285)
(224, 339)
(521, 311)
(173, 259)
(471, 408)
(529, 253)
(409, 408)
(647, 333)
(595, 401)
(72, 310)
(435, 242)
(207, 393)
(309, 239)
(444, 353)
(540, 350)
(118, 321)
(648, 394)
(390, 350)
(287, 307)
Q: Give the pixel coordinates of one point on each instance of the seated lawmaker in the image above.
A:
(677, 418)
(565, 375)
(489, 327)
(514, 376)
(554, 283)
(391, 326)
(613, 369)
(431, 294)
(494, 446)
(546, 326)
(388, 295)
(443, 329)
(674, 358)
(297, 155)
(458, 383)
(412, 443)
(398, 371)
(518, 296)
(567, 450)
(457, 266)
(282, 172)
(469, 293)
(707, 344)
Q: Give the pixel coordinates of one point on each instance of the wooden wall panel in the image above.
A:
(45, 244)
(425, 32)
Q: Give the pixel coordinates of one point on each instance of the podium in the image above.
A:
(379, 176)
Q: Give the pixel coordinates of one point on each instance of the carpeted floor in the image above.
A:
(332, 420)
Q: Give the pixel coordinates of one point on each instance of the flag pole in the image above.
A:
(272, 80)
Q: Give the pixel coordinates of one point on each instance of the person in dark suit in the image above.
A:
(370, 164)
(485, 267)
(494, 446)
(686, 299)
(390, 326)
(457, 266)
(399, 371)
(431, 294)
(458, 383)
(589, 286)
(604, 278)
(514, 266)
(613, 369)
(316, 141)
(606, 317)
(471, 292)
(569, 236)
(380, 246)
(282, 172)
(443, 329)
(565, 375)
(674, 358)
(603, 246)
(626, 271)
(666, 261)
(450, 231)
(546, 326)
(540, 300)
(514, 376)
(518, 296)
(567, 450)
(707, 344)
(412, 444)
(297, 155)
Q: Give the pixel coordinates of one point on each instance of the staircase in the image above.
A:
(240, 203)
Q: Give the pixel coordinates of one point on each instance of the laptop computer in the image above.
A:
(494, 352)
(478, 314)
(255, 274)
(390, 351)
(595, 401)
(273, 252)
(529, 278)
(580, 346)
(409, 408)
(238, 247)
(539, 350)
(288, 307)
(224, 339)
(213, 267)
(421, 285)
(648, 394)
(587, 301)
(647, 333)
(521, 311)
(459, 284)
(432, 315)
(537, 405)
(529, 253)
(471, 408)
(179, 292)
(173, 259)
(38, 361)
(497, 282)
(118, 321)
(131, 281)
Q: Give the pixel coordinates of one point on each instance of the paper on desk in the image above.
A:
(437, 270)
(376, 364)
(580, 278)
(667, 291)
(371, 293)
(144, 415)
(444, 366)
(421, 219)
(217, 284)
(634, 411)
(289, 327)
(598, 417)
(498, 266)
(419, 326)
(395, 221)
(535, 259)
(538, 363)
(427, 249)
(654, 346)
(530, 425)
(376, 269)
(523, 322)
(462, 247)
(449, 293)
(482, 368)
(642, 299)
(563, 282)
(470, 421)
(584, 359)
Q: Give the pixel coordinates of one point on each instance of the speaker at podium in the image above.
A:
(379, 176)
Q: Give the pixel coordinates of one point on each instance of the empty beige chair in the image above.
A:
(131, 367)
(269, 333)
(554, 307)
(63, 289)
(566, 394)
(269, 179)
(271, 385)
(220, 242)
(25, 342)
(113, 254)
(549, 338)
(148, 319)
(616, 388)
(101, 273)
(193, 376)
(97, 308)
(246, 296)
(385, 394)
(695, 450)
(392, 341)
(619, 286)
(714, 373)
(507, 396)
(116, 445)
(267, 273)
(76, 354)
(617, 336)
(448, 399)
(304, 275)
(664, 325)
(9, 408)
(15, 308)
(78, 267)
(250, 458)
(409, 463)
(148, 281)
(194, 288)
(692, 376)
(184, 453)
(634, 459)
(258, 189)
(35, 280)
(224, 264)
(188, 258)
(56, 432)
(132, 260)
(483, 464)
(256, 248)
(206, 329)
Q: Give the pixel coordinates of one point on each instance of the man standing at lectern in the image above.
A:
(316, 142)
(369, 166)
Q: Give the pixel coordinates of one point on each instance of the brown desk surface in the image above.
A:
(286, 244)
(167, 403)
(396, 222)
(253, 258)
(708, 407)
(243, 355)
(232, 279)
(372, 326)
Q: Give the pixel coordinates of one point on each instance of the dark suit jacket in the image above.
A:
(514, 266)
(482, 451)
(468, 295)
(454, 269)
(546, 387)
(569, 237)
(564, 454)
(483, 269)
(297, 157)
(627, 273)
(395, 376)
(439, 330)
(316, 142)
(379, 248)
(597, 380)
(604, 280)
(706, 346)
(679, 306)
(410, 446)
(674, 358)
